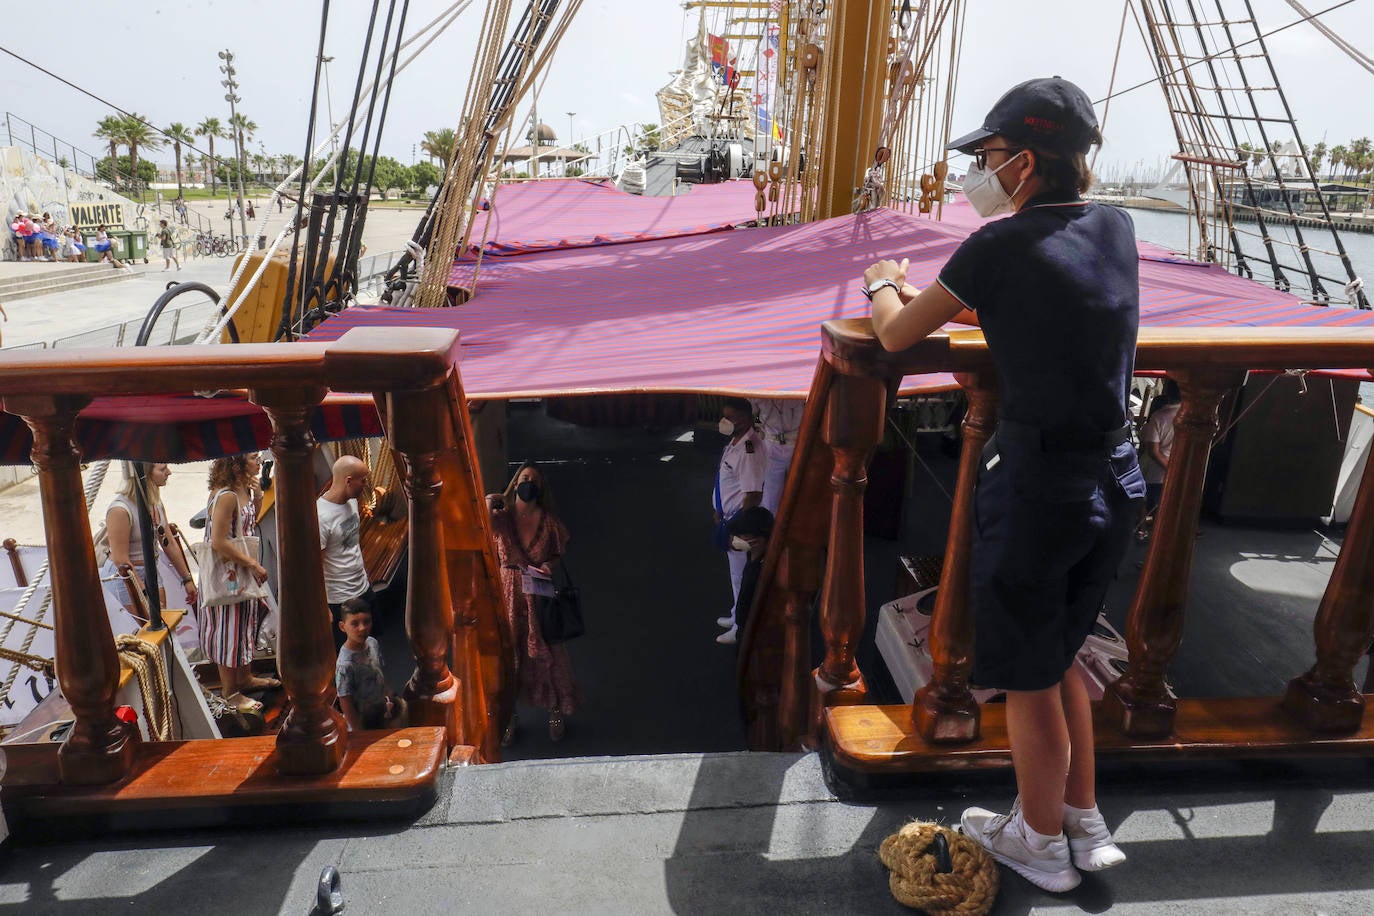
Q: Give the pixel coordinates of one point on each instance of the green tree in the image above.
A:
(245, 127)
(210, 129)
(438, 144)
(649, 138)
(1361, 156)
(423, 174)
(1339, 155)
(179, 134)
(289, 162)
(123, 168)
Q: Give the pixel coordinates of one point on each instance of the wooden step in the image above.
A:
(384, 774)
(882, 739)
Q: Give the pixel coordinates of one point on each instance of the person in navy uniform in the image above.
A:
(1055, 288)
(738, 486)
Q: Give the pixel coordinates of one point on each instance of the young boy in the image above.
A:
(363, 695)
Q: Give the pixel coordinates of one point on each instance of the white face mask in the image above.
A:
(726, 427)
(985, 192)
(738, 543)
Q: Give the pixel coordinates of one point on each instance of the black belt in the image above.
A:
(1061, 440)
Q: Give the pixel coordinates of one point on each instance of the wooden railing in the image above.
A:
(412, 374)
(788, 705)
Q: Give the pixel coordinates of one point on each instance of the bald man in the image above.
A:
(345, 576)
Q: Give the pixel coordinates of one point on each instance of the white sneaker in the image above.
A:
(1004, 838)
(1091, 843)
(728, 638)
(726, 621)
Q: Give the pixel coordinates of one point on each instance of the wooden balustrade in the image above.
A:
(1322, 710)
(412, 375)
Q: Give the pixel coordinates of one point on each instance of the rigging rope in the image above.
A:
(1354, 53)
(150, 670)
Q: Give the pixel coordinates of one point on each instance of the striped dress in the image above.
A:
(229, 632)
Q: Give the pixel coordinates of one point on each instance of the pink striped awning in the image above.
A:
(571, 213)
(740, 312)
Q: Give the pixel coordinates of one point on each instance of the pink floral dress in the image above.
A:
(543, 673)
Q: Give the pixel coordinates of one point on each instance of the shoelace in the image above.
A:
(1001, 821)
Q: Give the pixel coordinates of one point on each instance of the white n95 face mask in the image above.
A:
(726, 427)
(738, 543)
(985, 192)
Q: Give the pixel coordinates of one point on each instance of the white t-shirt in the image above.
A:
(345, 576)
(742, 467)
(1159, 428)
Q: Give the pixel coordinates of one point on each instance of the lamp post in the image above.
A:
(571, 115)
(232, 98)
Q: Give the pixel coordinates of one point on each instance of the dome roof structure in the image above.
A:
(546, 135)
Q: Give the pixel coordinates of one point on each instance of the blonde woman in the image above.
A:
(229, 632)
(125, 535)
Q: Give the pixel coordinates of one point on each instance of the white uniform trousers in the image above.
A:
(738, 560)
(775, 478)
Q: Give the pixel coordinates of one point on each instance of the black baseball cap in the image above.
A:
(1050, 114)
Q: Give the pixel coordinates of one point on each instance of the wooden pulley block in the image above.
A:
(811, 57)
(775, 171)
(927, 183)
(941, 170)
(760, 201)
(892, 45)
(773, 194)
(925, 205)
(881, 155)
(760, 179)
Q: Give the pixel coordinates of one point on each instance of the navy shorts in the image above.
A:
(1050, 530)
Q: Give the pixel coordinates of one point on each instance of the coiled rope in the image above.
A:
(939, 870)
(150, 668)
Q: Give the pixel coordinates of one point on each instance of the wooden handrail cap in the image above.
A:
(419, 358)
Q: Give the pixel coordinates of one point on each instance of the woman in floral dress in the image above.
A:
(528, 533)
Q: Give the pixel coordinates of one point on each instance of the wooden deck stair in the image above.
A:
(226, 780)
(883, 739)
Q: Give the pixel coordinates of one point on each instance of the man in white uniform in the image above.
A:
(345, 576)
(739, 485)
(779, 422)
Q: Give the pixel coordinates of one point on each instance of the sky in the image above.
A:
(158, 58)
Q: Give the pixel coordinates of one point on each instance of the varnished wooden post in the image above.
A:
(799, 577)
(100, 748)
(417, 428)
(853, 427)
(1325, 699)
(478, 716)
(11, 546)
(1139, 702)
(944, 710)
(314, 736)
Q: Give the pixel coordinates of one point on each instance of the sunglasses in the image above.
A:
(980, 155)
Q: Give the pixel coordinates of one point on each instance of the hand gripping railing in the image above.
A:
(412, 376)
(787, 704)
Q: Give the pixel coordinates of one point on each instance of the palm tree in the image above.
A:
(288, 163)
(178, 133)
(1317, 155)
(438, 144)
(135, 132)
(246, 128)
(210, 128)
(109, 130)
(1360, 156)
(1338, 155)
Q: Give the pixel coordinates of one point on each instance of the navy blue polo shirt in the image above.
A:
(1057, 290)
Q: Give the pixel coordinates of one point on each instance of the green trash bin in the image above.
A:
(89, 239)
(135, 244)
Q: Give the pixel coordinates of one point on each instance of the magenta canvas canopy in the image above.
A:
(740, 312)
(570, 213)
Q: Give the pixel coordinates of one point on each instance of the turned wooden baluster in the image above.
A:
(853, 427)
(944, 710)
(417, 429)
(1325, 699)
(100, 748)
(799, 577)
(1138, 701)
(11, 546)
(314, 737)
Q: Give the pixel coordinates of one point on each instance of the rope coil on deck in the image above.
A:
(150, 669)
(966, 883)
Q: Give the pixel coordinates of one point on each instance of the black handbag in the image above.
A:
(560, 617)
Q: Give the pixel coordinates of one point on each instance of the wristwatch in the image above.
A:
(871, 289)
